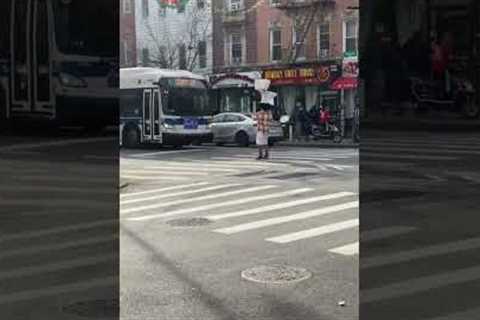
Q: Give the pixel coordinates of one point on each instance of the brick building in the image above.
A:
(128, 46)
(303, 47)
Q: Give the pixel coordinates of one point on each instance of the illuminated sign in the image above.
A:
(185, 83)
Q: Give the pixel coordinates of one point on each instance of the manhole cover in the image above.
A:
(276, 274)
(189, 222)
(103, 309)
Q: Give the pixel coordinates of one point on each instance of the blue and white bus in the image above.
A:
(169, 107)
(58, 62)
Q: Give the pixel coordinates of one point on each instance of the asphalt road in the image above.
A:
(58, 226)
(422, 190)
(298, 209)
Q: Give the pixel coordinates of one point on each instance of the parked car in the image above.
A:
(241, 129)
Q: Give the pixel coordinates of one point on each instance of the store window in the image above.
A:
(235, 100)
(351, 38)
(324, 40)
(275, 45)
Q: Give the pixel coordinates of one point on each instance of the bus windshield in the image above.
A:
(185, 97)
(79, 27)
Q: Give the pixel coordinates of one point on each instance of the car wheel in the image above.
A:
(271, 143)
(131, 138)
(242, 139)
(219, 144)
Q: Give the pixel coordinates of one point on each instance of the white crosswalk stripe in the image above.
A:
(279, 206)
(177, 187)
(289, 218)
(174, 194)
(201, 208)
(315, 232)
(208, 197)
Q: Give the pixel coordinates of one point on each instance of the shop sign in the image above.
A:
(350, 69)
(302, 75)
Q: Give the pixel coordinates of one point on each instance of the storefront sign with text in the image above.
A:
(302, 76)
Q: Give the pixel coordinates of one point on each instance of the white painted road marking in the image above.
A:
(162, 177)
(315, 232)
(55, 230)
(181, 193)
(289, 218)
(422, 284)
(424, 252)
(383, 233)
(279, 206)
(182, 186)
(221, 204)
(183, 201)
(58, 290)
(346, 250)
(141, 155)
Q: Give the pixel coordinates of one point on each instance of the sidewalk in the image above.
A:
(346, 143)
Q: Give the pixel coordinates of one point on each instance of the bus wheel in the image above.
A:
(131, 138)
(242, 139)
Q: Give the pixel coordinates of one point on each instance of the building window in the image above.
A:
(202, 54)
(145, 8)
(236, 48)
(275, 45)
(298, 42)
(145, 57)
(351, 38)
(182, 57)
(324, 40)
(235, 5)
(125, 53)
(127, 6)
(275, 3)
(200, 4)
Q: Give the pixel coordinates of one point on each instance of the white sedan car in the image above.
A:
(241, 129)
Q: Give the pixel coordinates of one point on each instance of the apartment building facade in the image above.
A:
(308, 49)
(174, 34)
(128, 42)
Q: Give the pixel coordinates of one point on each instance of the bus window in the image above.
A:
(130, 103)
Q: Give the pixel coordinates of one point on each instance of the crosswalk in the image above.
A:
(427, 272)
(237, 209)
(283, 165)
(58, 237)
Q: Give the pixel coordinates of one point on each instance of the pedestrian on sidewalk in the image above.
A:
(263, 118)
(301, 121)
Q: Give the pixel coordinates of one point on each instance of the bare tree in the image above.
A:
(304, 15)
(169, 44)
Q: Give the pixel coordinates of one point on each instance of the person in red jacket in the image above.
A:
(325, 117)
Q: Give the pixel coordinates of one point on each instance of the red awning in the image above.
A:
(343, 83)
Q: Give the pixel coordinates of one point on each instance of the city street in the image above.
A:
(421, 190)
(58, 227)
(195, 220)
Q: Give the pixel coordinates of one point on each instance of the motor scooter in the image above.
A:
(327, 131)
(430, 93)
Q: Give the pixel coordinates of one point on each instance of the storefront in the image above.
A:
(233, 92)
(347, 85)
(409, 26)
(309, 84)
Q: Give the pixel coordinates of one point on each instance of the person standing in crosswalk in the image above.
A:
(263, 118)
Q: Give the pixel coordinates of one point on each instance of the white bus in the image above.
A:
(169, 107)
(60, 62)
